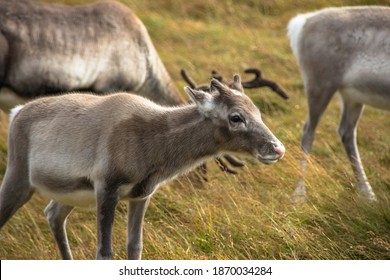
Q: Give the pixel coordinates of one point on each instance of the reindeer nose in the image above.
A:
(278, 148)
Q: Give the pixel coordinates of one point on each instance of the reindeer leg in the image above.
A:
(138, 203)
(202, 171)
(15, 191)
(56, 214)
(230, 159)
(234, 161)
(347, 131)
(136, 214)
(224, 167)
(107, 199)
(318, 100)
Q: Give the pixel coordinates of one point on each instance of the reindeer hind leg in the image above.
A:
(15, 191)
(347, 132)
(318, 99)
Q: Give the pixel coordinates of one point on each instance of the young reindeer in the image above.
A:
(48, 49)
(346, 50)
(83, 150)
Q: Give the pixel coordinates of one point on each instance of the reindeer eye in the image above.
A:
(236, 119)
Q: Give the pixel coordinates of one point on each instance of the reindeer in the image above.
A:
(346, 50)
(83, 150)
(48, 49)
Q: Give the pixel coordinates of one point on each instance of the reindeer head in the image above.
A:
(238, 121)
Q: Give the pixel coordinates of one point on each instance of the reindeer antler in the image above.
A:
(192, 83)
(217, 76)
(187, 79)
(258, 81)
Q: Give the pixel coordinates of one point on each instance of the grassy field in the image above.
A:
(248, 216)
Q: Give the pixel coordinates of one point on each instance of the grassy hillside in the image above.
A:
(248, 216)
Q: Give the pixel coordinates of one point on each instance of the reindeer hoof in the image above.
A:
(299, 195)
(368, 196)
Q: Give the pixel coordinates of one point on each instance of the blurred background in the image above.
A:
(249, 215)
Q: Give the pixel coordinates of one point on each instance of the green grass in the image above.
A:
(248, 216)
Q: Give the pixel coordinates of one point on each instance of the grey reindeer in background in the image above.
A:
(85, 150)
(346, 50)
(48, 49)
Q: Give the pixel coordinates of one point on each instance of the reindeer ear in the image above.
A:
(237, 83)
(216, 85)
(198, 96)
(202, 99)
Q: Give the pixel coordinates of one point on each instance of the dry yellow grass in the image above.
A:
(248, 216)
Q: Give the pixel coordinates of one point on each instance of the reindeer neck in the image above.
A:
(189, 135)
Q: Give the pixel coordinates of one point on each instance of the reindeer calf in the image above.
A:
(83, 150)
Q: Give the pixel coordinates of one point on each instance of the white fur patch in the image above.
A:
(124, 190)
(294, 30)
(236, 92)
(14, 112)
(208, 106)
(81, 198)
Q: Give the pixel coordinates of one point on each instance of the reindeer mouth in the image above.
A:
(273, 151)
(269, 159)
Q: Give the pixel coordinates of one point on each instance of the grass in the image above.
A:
(248, 216)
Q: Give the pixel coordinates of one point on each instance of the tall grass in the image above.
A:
(248, 216)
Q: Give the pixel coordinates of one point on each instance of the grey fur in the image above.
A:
(346, 50)
(48, 49)
(85, 150)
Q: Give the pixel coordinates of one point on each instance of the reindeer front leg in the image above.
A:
(136, 214)
(106, 198)
(56, 214)
(139, 198)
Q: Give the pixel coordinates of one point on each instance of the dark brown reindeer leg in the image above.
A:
(234, 161)
(224, 167)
